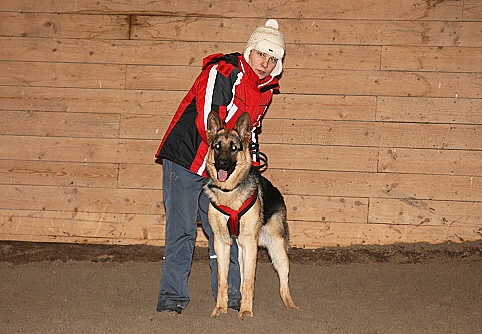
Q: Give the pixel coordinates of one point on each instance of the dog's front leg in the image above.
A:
(222, 250)
(249, 248)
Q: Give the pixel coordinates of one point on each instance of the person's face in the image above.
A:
(262, 63)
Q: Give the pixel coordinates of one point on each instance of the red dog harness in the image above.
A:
(235, 215)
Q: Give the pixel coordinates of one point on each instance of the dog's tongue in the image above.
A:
(222, 175)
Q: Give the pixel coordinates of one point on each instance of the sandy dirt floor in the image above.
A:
(65, 288)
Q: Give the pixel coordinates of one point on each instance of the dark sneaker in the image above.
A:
(177, 308)
(234, 304)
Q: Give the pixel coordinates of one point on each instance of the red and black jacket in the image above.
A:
(226, 84)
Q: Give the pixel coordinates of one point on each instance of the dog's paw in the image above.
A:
(246, 313)
(291, 304)
(288, 301)
(218, 310)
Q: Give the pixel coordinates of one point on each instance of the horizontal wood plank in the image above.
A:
(472, 10)
(326, 209)
(74, 199)
(346, 9)
(90, 100)
(426, 213)
(140, 176)
(332, 57)
(309, 235)
(62, 75)
(378, 185)
(429, 110)
(58, 173)
(373, 134)
(82, 226)
(78, 150)
(309, 31)
(326, 107)
(440, 59)
(59, 124)
(143, 126)
(431, 161)
(64, 25)
(160, 77)
(313, 157)
(384, 83)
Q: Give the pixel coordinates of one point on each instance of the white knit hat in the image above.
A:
(270, 40)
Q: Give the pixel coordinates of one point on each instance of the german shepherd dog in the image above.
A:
(232, 182)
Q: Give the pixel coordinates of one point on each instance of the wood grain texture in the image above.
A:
(49, 74)
(53, 173)
(345, 9)
(48, 25)
(374, 138)
(86, 100)
(58, 124)
(439, 59)
(452, 162)
(429, 110)
(309, 31)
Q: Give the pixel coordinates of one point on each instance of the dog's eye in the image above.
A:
(233, 148)
(217, 146)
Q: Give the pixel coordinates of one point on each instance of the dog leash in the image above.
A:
(262, 164)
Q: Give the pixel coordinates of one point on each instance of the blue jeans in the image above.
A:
(184, 200)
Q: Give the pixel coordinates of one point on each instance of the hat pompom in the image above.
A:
(272, 23)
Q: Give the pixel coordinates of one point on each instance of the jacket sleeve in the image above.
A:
(215, 90)
(223, 93)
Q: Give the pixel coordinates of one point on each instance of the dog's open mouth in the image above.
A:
(224, 169)
(223, 175)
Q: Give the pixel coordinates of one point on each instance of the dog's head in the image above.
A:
(228, 157)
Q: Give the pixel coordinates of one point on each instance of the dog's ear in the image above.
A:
(214, 124)
(243, 126)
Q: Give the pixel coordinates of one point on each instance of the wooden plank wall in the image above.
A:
(376, 137)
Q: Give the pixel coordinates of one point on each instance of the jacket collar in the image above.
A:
(263, 84)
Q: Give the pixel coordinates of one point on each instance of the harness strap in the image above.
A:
(235, 215)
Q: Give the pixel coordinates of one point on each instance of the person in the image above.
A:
(229, 84)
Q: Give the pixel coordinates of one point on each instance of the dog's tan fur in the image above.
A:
(233, 192)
